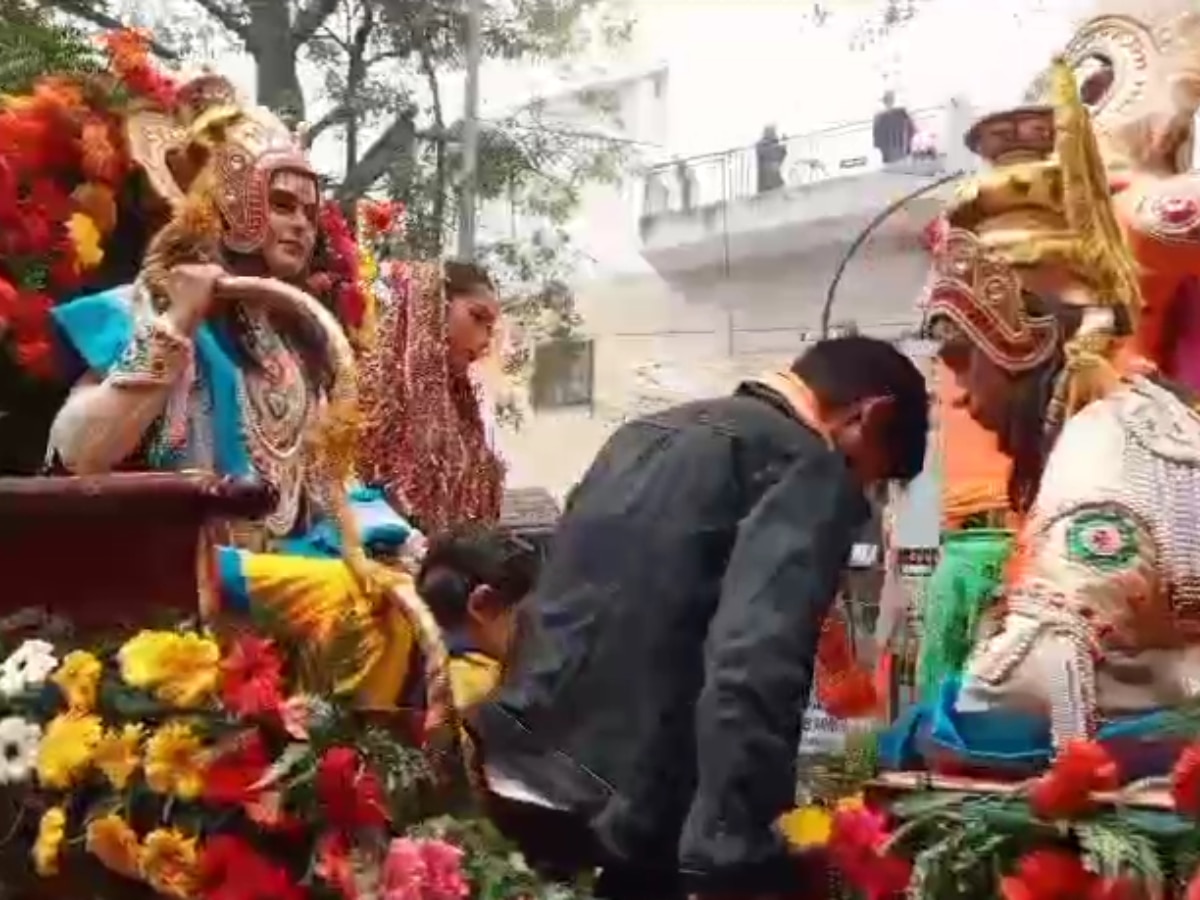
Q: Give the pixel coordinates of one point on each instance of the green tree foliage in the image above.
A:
(382, 68)
(31, 44)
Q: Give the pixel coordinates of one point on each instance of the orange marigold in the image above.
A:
(101, 160)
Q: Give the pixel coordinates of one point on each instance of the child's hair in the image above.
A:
(468, 556)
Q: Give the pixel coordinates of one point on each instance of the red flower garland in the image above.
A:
(1080, 770)
(341, 281)
(61, 137)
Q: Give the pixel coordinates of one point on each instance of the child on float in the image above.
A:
(472, 579)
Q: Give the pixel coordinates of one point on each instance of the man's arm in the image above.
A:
(780, 582)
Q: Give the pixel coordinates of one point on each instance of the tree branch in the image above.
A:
(336, 116)
(439, 121)
(81, 9)
(227, 19)
(396, 139)
(311, 16)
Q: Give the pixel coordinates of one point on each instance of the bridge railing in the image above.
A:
(684, 185)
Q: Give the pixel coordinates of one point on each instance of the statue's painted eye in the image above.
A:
(1094, 75)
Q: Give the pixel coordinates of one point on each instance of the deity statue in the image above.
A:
(1138, 69)
(219, 358)
(1034, 298)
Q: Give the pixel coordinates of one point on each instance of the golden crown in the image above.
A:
(1045, 197)
(1020, 195)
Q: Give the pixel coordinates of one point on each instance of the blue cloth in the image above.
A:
(383, 530)
(235, 589)
(1000, 741)
(101, 326)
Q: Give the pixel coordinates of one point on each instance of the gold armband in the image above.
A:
(156, 356)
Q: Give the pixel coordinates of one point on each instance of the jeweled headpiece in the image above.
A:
(1043, 201)
(214, 144)
(1138, 64)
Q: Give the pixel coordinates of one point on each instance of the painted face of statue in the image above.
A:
(471, 325)
(985, 388)
(291, 231)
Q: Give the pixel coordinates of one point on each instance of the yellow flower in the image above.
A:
(181, 669)
(175, 762)
(115, 844)
(78, 678)
(86, 238)
(368, 268)
(141, 657)
(117, 754)
(807, 826)
(48, 847)
(97, 202)
(67, 749)
(168, 863)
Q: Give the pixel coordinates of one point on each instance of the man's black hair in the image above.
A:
(847, 370)
(468, 556)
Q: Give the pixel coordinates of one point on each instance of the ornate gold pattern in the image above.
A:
(241, 150)
(981, 294)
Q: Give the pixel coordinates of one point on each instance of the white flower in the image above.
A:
(27, 668)
(19, 742)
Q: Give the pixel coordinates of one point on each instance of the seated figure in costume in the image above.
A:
(217, 357)
(1094, 633)
(1137, 66)
(424, 443)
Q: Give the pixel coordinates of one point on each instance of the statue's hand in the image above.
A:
(191, 291)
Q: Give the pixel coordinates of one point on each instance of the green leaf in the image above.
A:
(918, 805)
(1113, 849)
(1156, 823)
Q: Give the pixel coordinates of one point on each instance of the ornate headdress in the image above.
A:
(1144, 57)
(215, 145)
(1044, 202)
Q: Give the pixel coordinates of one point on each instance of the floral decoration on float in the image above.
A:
(73, 219)
(1076, 832)
(186, 768)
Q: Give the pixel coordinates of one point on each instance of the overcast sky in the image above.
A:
(737, 65)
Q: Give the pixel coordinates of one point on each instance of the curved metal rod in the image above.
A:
(856, 244)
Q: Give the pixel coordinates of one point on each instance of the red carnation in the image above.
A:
(856, 846)
(351, 305)
(1048, 874)
(231, 869)
(349, 792)
(233, 778)
(1185, 782)
(1065, 792)
(252, 678)
(9, 299)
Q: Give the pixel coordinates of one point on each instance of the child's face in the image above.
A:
(490, 622)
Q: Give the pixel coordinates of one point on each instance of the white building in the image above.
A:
(690, 289)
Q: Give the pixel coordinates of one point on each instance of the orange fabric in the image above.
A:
(844, 688)
(974, 471)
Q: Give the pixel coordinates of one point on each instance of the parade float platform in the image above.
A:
(109, 550)
(889, 786)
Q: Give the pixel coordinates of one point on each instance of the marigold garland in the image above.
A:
(235, 789)
(64, 161)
